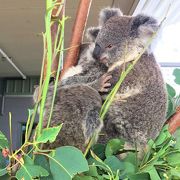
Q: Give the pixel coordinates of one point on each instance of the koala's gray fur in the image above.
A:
(77, 103)
(138, 111)
(77, 107)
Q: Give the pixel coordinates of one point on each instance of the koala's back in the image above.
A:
(77, 107)
(139, 109)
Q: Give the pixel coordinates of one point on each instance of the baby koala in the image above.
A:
(77, 105)
(138, 111)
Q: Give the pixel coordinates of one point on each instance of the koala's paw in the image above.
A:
(104, 83)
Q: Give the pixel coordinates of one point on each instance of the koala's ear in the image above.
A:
(92, 33)
(144, 25)
(107, 13)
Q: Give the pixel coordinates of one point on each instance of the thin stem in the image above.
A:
(49, 62)
(58, 69)
(10, 132)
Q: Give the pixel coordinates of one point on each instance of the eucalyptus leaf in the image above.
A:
(3, 161)
(3, 172)
(113, 146)
(171, 107)
(114, 163)
(140, 176)
(49, 134)
(92, 171)
(28, 172)
(3, 141)
(175, 172)
(171, 91)
(163, 136)
(66, 162)
(177, 136)
(99, 150)
(153, 173)
(176, 73)
(83, 178)
(173, 158)
(43, 162)
(129, 169)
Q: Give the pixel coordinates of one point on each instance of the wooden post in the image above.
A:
(77, 34)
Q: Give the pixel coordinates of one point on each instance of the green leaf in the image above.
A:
(28, 172)
(129, 169)
(92, 171)
(83, 178)
(153, 173)
(163, 136)
(114, 163)
(142, 176)
(173, 158)
(3, 172)
(67, 162)
(177, 136)
(99, 150)
(43, 162)
(3, 141)
(49, 134)
(175, 172)
(113, 146)
(176, 73)
(27, 160)
(171, 91)
(131, 157)
(3, 161)
(171, 107)
(6, 177)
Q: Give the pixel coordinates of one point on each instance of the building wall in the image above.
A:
(17, 100)
(18, 106)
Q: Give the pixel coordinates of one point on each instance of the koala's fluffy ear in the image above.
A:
(92, 33)
(107, 13)
(144, 25)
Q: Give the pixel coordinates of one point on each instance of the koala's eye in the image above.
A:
(109, 46)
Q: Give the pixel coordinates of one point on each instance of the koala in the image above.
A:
(138, 111)
(77, 104)
(88, 69)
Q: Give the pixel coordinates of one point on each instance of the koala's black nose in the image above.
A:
(97, 52)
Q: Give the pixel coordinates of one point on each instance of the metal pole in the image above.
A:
(77, 34)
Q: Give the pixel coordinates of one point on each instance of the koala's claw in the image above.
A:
(104, 84)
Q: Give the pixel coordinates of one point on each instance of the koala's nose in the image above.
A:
(97, 52)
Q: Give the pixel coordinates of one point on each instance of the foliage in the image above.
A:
(173, 96)
(111, 161)
(160, 161)
(31, 161)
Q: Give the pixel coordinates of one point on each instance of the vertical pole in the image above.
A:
(77, 34)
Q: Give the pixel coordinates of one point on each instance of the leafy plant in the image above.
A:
(173, 96)
(160, 161)
(30, 161)
(111, 161)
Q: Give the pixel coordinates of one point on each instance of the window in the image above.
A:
(166, 46)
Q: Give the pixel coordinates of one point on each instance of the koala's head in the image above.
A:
(86, 49)
(122, 37)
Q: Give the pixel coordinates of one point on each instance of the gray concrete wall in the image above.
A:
(18, 106)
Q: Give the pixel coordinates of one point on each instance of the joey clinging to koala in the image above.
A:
(77, 104)
(77, 107)
(139, 108)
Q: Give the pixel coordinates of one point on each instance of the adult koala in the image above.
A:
(138, 111)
